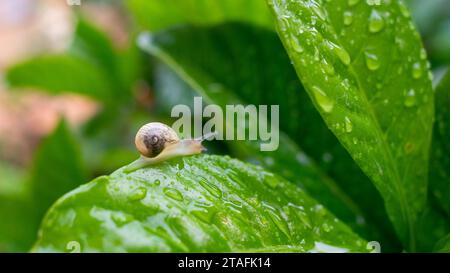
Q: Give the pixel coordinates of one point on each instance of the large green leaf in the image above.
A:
(193, 204)
(251, 72)
(440, 158)
(61, 73)
(372, 89)
(159, 14)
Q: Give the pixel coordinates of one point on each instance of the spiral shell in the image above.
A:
(153, 138)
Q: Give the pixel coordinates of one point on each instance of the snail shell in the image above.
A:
(153, 138)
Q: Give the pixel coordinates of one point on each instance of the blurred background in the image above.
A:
(110, 90)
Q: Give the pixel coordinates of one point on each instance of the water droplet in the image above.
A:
(278, 221)
(296, 45)
(317, 10)
(348, 125)
(340, 52)
(271, 181)
(423, 54)
(121, 219)
(157, 182)
(212, 189)
(328, 68)
(376, 22)
(326, 227)
(205, 214)
(373, 2)
(138, 194)
(372, 61)
(322, 99)
(348, 18)
(410, 99)
(173, 193)
(417, 70)
(404, 10)
(352, 3)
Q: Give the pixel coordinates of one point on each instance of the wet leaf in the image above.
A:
(198, 204)
(368, 88)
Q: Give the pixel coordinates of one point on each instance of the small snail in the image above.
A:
(157, 142)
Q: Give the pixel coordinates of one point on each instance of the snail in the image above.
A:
(157, 142)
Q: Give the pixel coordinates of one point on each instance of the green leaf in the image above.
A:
(440, 153)
(61, 73)
(57, 169)
(193, 204)
(159, 14)
(372, 89)
(250, 72)
(443, 245)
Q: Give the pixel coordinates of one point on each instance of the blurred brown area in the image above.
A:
(28, 28)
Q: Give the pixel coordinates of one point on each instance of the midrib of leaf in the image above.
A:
(398, 182)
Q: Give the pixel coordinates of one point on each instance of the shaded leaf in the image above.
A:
(443, 245)
(440, 153)
(193, 204)
(368, 88)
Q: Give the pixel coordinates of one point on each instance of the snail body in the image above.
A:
(157, 142)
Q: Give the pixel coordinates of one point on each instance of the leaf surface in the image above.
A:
(364, 67)
(193, 204)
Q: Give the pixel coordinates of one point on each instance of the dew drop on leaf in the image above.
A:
(372, 61)
(173, 193)
(348, 125)
(121, 219)
(296, 45)
(352, 2)
(322, 99)
(410, 98)
(329, 69)
(376, 22)
(348, 18)
(423, 54)
(417, 70)
(404, 10)
(340, 52)
(138, 194)
(212, 189)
